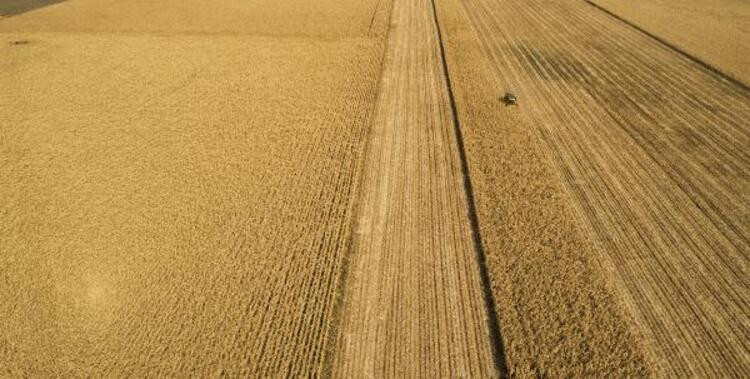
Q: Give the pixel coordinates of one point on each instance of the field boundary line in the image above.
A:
(355, 205)
(674, 47)
(498, 346)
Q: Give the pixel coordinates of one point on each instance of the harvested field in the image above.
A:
(287, 188)
(715, 31)
(176, 205)
(557, 315)
(653, 150)
(414, 305)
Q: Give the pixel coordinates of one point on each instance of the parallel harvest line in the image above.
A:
(653, 149)
(672, 46)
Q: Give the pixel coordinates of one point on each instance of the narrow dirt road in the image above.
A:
(654, 150)
(414, 305)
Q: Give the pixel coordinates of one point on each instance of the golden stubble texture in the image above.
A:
(177, 204)
(260, 188)
(557, 314)
(653, 149)
(715, 31)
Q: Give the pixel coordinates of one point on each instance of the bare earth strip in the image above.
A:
(715, 31)
(557, 315)
(414, 305)
(654, 151)
(176, 203)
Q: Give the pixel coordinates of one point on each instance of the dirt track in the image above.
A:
(414, 305)
(654, 151)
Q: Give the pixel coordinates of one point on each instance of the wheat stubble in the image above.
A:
(714, 31)
(557, 315)
(653, 149)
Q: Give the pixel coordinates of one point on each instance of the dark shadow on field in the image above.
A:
(14, 7)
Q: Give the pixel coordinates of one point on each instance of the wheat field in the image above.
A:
(176, 203)
(256, 188)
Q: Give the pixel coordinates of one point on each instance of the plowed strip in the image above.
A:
(415, 305)
(654, 150)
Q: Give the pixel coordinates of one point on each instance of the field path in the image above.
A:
(654, 150)
(414, 305)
